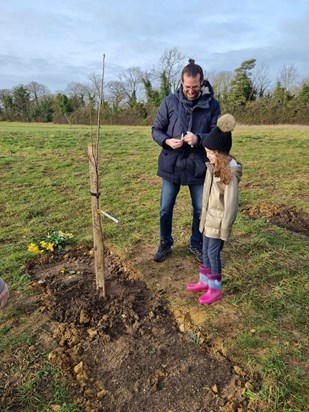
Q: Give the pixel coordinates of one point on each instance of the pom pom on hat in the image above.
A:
(226, 123)
(220, 138)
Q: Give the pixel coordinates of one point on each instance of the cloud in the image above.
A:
(57, 42)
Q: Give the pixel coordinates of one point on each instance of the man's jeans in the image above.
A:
(169, 193)
(211, 254)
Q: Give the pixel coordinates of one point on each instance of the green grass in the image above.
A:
(45, 186)
(40, 383)
(48, 378)
(45, 388)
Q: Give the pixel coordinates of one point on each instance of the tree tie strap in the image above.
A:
(97, 195)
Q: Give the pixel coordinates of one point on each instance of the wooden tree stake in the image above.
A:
(98, 242)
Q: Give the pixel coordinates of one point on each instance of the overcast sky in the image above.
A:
(57, 42)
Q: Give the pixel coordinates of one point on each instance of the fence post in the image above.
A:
(98, 241)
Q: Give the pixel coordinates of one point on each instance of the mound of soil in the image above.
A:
(127, 352)
(291, 218)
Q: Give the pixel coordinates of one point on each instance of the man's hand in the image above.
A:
(174, 143)
(190, 138)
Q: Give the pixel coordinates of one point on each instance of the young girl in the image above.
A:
(219, 208)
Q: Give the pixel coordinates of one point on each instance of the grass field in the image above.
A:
(45, 186)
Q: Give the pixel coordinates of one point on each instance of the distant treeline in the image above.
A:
(134, 98)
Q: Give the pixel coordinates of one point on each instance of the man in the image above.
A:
(183, 120)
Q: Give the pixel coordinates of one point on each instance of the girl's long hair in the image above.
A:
(221, 167)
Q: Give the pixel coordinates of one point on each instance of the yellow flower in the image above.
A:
(60, 233)
(62, 270)
(33, 248)
(50, 246)
(70, 235)
(43, 244)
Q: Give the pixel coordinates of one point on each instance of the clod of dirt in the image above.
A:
(291, 218)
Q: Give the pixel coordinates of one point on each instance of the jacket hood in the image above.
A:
(207, 94)
(236, 169)
(207, 89)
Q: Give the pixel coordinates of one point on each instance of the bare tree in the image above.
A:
(82, 90)
(131, 80)
(220, 82)
(171, 63)
(288, 76)
(36, 90)
(95, 80)
(260, 79)
(116, 93)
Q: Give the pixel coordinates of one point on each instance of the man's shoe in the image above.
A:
(163, 250)
(197, 252)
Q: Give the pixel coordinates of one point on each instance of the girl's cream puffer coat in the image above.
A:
(220, 203)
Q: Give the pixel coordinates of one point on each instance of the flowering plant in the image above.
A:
(53, 242)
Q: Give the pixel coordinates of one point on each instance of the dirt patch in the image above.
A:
(127, 352)
(291, 218)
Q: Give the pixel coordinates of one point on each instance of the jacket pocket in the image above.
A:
(214, 218)
(196, 167)
(167, 160)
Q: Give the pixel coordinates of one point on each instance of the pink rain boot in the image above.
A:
(202, 284)
(214, 291)
(4, 295)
